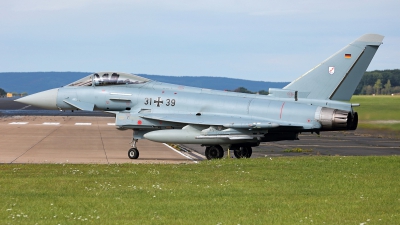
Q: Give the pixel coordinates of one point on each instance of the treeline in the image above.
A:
(2, 92)
(245, 90)
(379, 82)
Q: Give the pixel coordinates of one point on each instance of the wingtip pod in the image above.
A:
(337, 77)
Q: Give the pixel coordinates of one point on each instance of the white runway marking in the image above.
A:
(111, 124)
(83, 124)
(18, 123)
(47, 123)
(24, 107)
(181, 153)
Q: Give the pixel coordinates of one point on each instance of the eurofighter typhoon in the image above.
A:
(219, 120)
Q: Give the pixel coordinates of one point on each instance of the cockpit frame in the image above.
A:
(109, 78)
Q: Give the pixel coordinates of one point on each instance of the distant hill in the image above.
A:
(32, 82)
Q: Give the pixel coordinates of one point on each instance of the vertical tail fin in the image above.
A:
(337, 77)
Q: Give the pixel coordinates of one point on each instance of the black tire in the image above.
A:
(214, 152)
(207, 152)
(239, 152)
(249, 152)
(133, 153)
(242, 152)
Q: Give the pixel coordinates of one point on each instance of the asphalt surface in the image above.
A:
(354, 143)
(75, 139)
(348, 143)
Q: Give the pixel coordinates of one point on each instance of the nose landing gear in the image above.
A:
(133, 153)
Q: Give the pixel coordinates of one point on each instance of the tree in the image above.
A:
(263, 92)
(369, 90)
(242, 90)
(396, 90)
(378, 86)
(388, 86)
(2, 92)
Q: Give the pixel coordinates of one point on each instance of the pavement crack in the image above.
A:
(102, 142)
(37, 143)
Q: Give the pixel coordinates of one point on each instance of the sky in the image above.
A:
(246, 39)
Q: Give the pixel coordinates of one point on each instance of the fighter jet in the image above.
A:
(220, 120)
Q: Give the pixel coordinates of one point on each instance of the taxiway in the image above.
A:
(67, 139)
(33, 135)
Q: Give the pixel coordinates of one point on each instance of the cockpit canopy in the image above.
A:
(109, 78)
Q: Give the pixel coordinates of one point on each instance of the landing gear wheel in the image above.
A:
(243, 152)
(249, 152)
(239, 152)
(214, 152)
(133, 153)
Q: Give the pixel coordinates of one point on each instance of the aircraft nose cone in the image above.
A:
(45, 99)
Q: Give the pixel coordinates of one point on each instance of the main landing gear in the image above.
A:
(242, 152)
(217, 152)
(133, 153)
(214, 152)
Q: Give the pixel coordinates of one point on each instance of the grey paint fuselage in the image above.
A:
(190, 100)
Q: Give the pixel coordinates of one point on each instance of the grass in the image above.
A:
(375, 109)
(297, 150)
(296, 190)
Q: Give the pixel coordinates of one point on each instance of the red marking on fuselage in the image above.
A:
(139, 122)
(290, 94)
(280, 116)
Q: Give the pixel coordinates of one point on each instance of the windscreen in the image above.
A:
(109, 78)
(103, 79)
(86, 81)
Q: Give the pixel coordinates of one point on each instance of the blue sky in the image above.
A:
(249, 39)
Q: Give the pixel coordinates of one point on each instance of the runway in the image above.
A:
(66, 139)
(340, 143)
(32, 135)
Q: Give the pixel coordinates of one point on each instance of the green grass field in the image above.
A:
(286, 190)
(378, 112)
(282, 190)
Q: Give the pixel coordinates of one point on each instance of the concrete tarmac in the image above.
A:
(344, 143)
(66, 139)
(32, 135)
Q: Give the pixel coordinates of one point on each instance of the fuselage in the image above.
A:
(156, 97)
